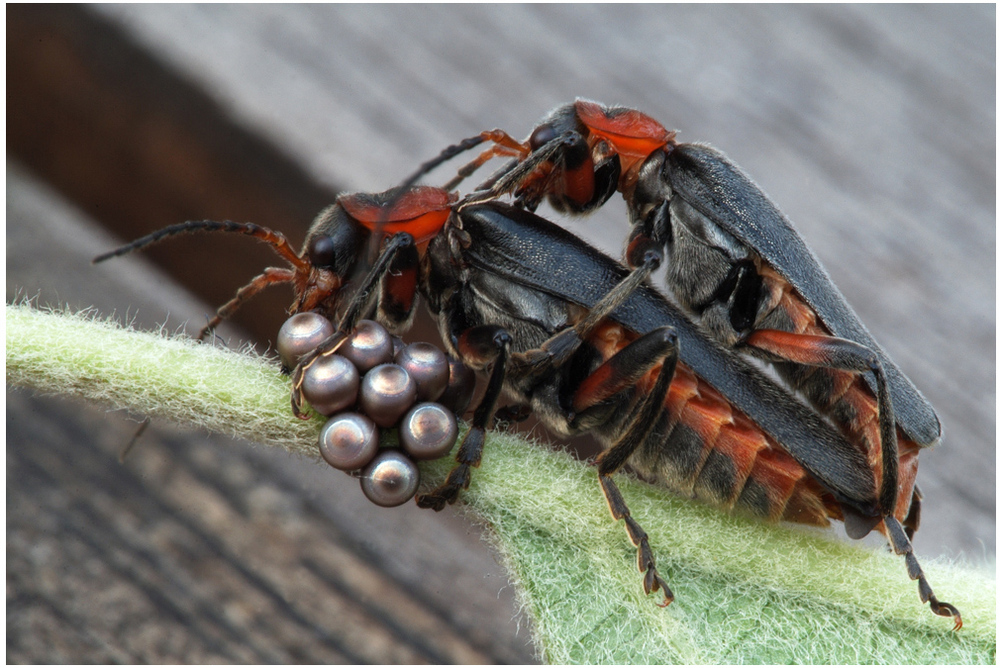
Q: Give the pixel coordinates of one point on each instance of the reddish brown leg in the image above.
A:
(503, 145)
(502, 140)
(834, 353)
(271, 276)
(623, 370)
(275, 240)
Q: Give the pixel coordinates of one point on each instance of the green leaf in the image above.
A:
(745, 592)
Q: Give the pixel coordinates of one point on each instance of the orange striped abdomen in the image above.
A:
(704, 448)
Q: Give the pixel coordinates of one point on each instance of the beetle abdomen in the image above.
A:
(702, 448)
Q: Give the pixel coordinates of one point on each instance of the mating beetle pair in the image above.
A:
(735, 263)
(585, 342)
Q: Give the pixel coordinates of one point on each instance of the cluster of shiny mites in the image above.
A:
(373, 382)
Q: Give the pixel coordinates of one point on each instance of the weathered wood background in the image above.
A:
(873, 128)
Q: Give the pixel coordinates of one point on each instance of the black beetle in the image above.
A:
(588, 346)
(735, 262)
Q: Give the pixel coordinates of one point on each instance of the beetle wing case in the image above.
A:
(740, 207)
(521, 246)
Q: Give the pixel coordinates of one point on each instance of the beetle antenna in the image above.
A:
(275, 240)
(443, 157)
(271, 275)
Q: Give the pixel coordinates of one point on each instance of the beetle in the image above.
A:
(588, 345)
(735, 262)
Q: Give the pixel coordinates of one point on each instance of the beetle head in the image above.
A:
(337, 240)
(332, 247)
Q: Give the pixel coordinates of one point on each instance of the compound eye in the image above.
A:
(323, 252)
(541, 136)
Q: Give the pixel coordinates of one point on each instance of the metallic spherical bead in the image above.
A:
(391, 479)
(369, 346)
(428, 367)
(387, 392)
(397, 345)
(301, 334)
(330, 384)
(428, 431)
(348, 441)
(461, 387)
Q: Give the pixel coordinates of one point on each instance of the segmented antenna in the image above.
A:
(275, 240)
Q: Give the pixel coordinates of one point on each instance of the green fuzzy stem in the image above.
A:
(745, 592)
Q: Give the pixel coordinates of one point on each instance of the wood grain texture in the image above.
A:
(198, 549)
(872, 127)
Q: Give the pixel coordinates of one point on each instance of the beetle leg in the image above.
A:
(621, 292)
(398, 297)
(650, 234)
(742, 286)
(519, 173)
(912, 521)
(270, 276)
(834, 353)
(397, 246)
(443, 157)
(554, 352)
(624, 369)
(615, 457)
(482, 343)
(503, 145)
(512, 413)
(901, 545)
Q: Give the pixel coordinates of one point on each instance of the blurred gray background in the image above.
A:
(872, 127)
